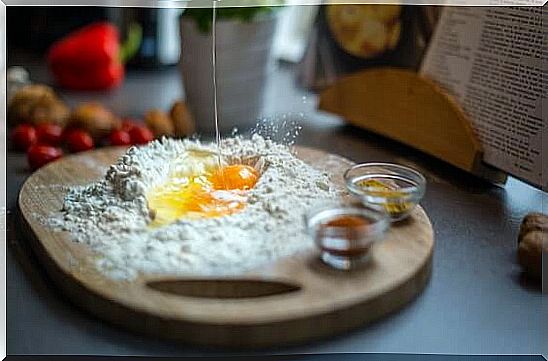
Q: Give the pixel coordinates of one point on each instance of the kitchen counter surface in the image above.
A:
(477, 300)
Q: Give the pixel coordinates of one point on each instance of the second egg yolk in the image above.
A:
(215, 194)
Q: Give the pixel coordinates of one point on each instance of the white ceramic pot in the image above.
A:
(243, 61)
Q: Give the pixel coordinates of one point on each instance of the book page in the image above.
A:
(491, 59)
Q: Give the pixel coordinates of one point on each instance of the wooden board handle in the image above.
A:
(224, 288)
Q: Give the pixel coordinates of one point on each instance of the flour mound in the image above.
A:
(111, 216)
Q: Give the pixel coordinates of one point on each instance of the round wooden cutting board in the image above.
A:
(294, 300)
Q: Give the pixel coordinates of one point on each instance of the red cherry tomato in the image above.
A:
(120, 137)
(79, 141)
(23, 136)
(39, 155)
(140, 135)
(128, 124)
(49, 133)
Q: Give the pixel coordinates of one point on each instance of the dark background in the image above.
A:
(33, 29)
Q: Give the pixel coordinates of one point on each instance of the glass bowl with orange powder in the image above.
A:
(345, 234)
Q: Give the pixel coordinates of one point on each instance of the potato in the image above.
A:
(93, 118)
(182, 119)
(159, 123)
(36, 104)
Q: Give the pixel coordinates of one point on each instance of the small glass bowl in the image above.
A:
(389, 187)
(345, 234)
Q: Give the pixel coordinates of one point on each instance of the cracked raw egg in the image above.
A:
(204, 192)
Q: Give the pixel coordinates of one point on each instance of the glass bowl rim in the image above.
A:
(378, 224)
(405, 191)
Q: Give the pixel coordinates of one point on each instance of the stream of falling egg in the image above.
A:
(215, 108)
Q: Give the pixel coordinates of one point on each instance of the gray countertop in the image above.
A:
(477, 300)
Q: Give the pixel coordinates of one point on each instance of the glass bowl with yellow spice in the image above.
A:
(393, 188)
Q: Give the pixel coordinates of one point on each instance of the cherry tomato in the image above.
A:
(120, 137)
(39, 155)
(23, 136)
(79, 140)
(140, 135)
(48, 133)
(128, 124)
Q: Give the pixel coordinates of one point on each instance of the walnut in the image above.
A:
(94, 118)
(533, 222)
(533, 241)
(36, 104)
(159, 122)
(182, 119)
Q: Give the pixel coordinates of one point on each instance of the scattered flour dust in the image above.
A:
(111, 216)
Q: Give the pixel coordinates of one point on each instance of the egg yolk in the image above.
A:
(234, 177)
(213, 194)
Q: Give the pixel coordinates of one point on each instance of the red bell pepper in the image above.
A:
(92, 58)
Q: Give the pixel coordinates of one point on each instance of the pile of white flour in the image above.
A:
(111, 216)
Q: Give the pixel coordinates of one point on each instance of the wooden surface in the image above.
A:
(294, 300)
(403, 106)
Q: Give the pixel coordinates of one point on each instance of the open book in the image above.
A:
(493, 61)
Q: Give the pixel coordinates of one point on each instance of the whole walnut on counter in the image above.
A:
(533, 241)
(36, 104)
